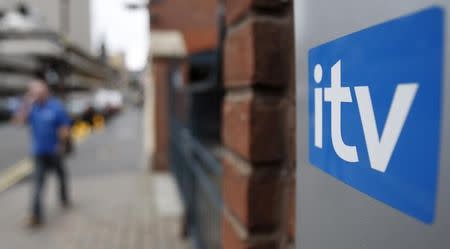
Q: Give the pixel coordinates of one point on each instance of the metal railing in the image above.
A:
(195, 142)
(194, 154)
(198, 174)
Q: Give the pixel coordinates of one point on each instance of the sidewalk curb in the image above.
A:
(15, 174)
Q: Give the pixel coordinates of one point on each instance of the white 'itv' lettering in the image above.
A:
(380, 149)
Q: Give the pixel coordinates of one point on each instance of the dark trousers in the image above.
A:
(44, 164)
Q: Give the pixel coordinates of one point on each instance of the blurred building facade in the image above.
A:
(231, 136)
(71, 17)
(35, 41)
(117, 61)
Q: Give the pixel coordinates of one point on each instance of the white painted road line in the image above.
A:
(15, 173)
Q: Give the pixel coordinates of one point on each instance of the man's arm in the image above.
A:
(64, 124)
(64, 133)
(20, 117)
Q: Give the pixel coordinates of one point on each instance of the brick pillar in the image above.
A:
(162, 67)
(161, 76)
(257, 129)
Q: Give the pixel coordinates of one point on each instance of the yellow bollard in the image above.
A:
(98, 122)
(80, 130)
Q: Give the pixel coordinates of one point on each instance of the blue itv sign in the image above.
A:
(375, 110)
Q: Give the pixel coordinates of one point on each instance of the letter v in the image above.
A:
(380, 150)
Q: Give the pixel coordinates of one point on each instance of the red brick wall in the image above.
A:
(258, 128)
(291, 130)
(196, 19)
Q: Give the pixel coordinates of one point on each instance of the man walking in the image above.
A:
(50, 131)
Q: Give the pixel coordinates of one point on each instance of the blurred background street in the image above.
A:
(116, 205)
(82, 50)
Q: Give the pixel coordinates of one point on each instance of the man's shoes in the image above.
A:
(34, 222)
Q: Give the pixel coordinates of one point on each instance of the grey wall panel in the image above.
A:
(331, 214)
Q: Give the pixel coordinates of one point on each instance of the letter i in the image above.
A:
(318, 105)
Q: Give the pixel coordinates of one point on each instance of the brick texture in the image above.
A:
(253, 196)
(254, 54)
(238, 8)
(160, 156)
(161, 69)
(258, 125)
(231, 239)
(291, 128)
(253, 126)
(196, 19)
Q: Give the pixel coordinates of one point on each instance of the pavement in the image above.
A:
(116, 202)
(13, 144)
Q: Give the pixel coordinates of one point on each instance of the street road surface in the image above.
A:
(117, 204)
(13, 144)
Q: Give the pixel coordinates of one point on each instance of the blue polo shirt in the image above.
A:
(45, 120)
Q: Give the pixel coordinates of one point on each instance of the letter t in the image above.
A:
(336, 95)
